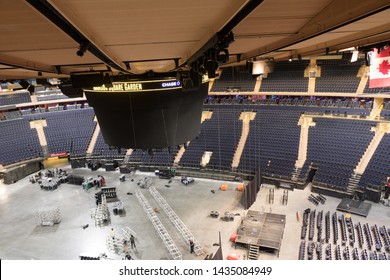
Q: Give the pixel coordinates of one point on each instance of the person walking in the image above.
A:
(132, 241)
(192, 246)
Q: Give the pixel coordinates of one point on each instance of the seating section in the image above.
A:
(163, 157)
(367, 89)
(273, 141)
(52, 96)
(68, 130)
(286, 77)
(234, 79)
(332, 105)
(338, 76)
(104, 150)
(10, 115)
(378, 169)
(386, 110)
(18, 142)
(336, 146)
(219, 135)
(14, 98)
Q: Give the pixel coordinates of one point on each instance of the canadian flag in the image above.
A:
(380, 68)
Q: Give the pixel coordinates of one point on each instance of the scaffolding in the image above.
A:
(177, 222)
(101, 213)
(47, 216)
(127, 232)
(115, 243)
(162, 232)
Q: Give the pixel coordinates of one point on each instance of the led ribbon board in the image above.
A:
(138, 86)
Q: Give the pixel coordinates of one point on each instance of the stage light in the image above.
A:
(83, 48)
(223, 56)
(211, 66)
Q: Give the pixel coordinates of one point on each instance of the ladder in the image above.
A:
(353, 183)
(296, 173)
(180, 226)
(162, 232)
(101, 214)
(253, 253)
(114, 243)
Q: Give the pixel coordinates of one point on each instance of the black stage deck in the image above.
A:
(262, 229)
(354, 207)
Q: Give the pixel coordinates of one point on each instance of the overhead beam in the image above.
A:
(337, 14)
(244, 11)
(71, 26)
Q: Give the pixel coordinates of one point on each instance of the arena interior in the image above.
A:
(253, 129)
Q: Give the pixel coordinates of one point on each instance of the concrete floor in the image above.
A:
(21, 238)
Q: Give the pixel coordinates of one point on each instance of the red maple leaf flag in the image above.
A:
(380, 68)
(384, 67)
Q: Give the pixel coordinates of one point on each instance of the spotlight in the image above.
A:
(39, 73)
(84, 45)
(223, 56)
(127, 64)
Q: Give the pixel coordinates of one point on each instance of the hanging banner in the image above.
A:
(380, 68)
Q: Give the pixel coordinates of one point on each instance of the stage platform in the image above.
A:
(354, 207)
(262, 229)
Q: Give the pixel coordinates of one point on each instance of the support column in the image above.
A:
(246, 117)
(380, 130)
(259, 79)
(206, 115)
(39, 125)
(312, 68)
(363, 73)
(376, 108)
(305, 122)
(94, 137)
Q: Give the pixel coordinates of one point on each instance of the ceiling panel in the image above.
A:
(137, 30)
(22, 28)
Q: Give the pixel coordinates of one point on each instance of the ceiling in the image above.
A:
(134, 36)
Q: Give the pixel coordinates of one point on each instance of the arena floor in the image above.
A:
(21, 238)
